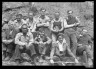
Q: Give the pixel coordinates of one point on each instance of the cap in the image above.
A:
(69, 11)
(84, 30)
(42, 9)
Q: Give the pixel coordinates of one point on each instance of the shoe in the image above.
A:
(76, 61)
(90, 63)
(41, 60)
(7, 58)
(51, 61)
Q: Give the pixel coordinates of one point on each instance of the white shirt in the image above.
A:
(21, 40)
(60, 45)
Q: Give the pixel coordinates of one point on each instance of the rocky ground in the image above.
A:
(84, 11)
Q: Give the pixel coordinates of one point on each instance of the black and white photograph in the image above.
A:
(48, 34)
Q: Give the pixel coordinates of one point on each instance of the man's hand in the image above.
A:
(76, 24)
(44, 43)
(80, 45)
(7, 41)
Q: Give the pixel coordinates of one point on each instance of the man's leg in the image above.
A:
(17, 53)
(68, 48)
(8, 51)
(74, 43)
(53, 37)
(52, 50)
(48, 49)
(4, 50)
(36, 47)
(81, 51)
(32, 50)
(11, 48)
(89, 52)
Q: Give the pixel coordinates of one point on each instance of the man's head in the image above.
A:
(24, 28)
(18, 17)
(69, 12)
(43, 11)
(60, 37)
(57, 15)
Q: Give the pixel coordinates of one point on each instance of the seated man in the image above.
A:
(62, 45)
(43, 42)
(8, 35)
(24, 42)
(85, 46)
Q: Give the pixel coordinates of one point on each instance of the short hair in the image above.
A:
(60, 34)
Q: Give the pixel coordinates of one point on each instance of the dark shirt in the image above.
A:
(71, 20)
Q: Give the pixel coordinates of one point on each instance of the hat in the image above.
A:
(84, 30)
(42, 9)
(69, 11)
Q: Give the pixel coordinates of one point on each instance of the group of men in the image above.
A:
(45, 37)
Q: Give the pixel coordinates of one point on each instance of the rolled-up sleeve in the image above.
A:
(17, 39)
(49, 40)
(66, 25)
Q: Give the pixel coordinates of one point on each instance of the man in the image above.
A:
(69, 24)
(56, 26)
(17, 22)
(62, 45)
(24, 42)
(8, 35)
(43, 42)
(43, 23)
(85, 46)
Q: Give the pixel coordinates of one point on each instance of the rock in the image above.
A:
(26, 64)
